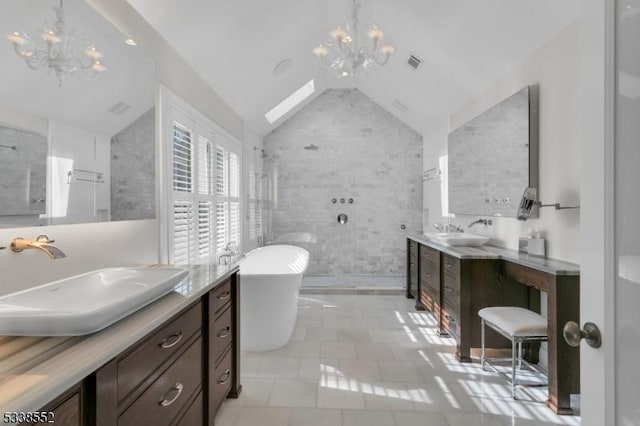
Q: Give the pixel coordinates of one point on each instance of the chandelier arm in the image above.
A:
(383, 61)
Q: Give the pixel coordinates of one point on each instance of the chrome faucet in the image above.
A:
(487, 222)
(42, 243)
(450, 227)
(230, 253)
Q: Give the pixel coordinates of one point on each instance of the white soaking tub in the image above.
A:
(270, 279)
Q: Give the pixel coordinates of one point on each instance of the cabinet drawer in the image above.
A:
(61, 413)
(193, 416)
(451, 265)
(220, 297)
(450, 289)
(165, 398)
(135, 367)
(428, 299)
(222, 333)
(220, 382)
(450, 319)
(427, 254)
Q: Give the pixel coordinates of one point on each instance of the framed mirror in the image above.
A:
(75, 146)
(494, 157)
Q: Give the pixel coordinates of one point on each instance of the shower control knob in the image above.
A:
(341, 200)
(350, 200)
(333, 200)
(496, 200)
(403, 226)
(487, 200)
(506, 200)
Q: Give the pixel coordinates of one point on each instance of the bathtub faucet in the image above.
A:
(230, 253)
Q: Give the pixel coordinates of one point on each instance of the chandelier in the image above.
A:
(58, 49)
(345, 54)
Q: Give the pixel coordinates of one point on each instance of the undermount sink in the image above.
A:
(84, 303)
(458, 239)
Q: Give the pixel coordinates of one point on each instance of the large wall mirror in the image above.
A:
(81, 149)
(493, 158)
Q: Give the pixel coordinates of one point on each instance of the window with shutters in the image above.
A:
(205, 205)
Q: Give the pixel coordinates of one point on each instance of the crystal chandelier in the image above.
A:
(58, 49)
(345, 53)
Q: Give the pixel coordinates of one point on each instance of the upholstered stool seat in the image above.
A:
(516, 324)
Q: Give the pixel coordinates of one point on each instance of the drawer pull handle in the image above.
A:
(172, 340)
(167, 402)
(449, 318)
(224, 332)
(446, 288)
(226, 375)
(448, 265)
(224, 296)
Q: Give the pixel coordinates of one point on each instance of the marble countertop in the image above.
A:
(35, 370)
(544, 264)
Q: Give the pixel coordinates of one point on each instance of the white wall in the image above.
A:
(555, 68)
(92, 246)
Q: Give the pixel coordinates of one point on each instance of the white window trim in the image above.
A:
(170, 102)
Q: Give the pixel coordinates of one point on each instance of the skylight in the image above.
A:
(288, 104)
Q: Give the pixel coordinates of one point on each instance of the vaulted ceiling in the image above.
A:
(466, 46)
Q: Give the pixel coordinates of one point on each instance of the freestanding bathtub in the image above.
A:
(270, 279)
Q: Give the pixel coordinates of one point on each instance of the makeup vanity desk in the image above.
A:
(454, 283)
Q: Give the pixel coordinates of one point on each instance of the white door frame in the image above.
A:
(597, 220)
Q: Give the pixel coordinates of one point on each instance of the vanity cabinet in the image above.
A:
(180, 373)
(412, 271)
(454, 289)
(66, 410)
(429, 272)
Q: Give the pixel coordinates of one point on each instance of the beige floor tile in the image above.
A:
(315, 368)
(360, 369)
(263, 416)
(276, 367)
(399, 371)
(375, 351)
(387, 396)
(340, 394)
(339, 350)
(367, 418)
(404, 418)
(315, 417)
(294, 393)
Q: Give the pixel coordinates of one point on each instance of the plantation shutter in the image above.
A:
(205, 209)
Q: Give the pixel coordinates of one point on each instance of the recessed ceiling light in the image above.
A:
(131, 42)
(282, 66)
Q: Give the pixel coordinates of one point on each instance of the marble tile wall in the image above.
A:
(364, 153)
(133, 165)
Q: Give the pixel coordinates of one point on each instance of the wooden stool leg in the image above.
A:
(514, 355)
(482, 344)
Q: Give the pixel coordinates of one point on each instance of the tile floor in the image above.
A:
(371, 360)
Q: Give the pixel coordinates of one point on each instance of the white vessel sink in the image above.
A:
(84, 303)
(458, 239)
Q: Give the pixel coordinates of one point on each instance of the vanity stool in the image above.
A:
(518, 325)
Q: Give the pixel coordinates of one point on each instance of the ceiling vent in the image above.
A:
(119, 108)
(414, 62)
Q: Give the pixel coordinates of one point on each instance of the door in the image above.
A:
(610, 266)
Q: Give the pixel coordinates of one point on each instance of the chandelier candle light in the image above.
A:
(58, 50)
(345, 54)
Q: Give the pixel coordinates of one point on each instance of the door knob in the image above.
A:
(591, 334)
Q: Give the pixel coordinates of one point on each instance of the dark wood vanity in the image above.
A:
(454, 288)
(179, 374)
